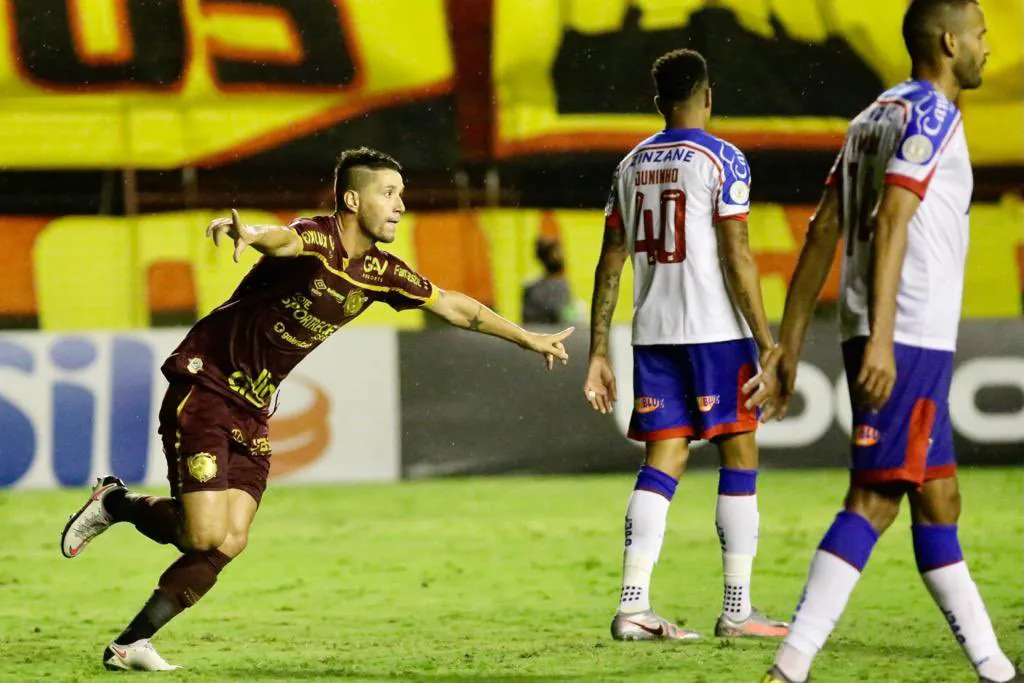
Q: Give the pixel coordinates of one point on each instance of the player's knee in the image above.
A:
(737, 451)
(669, 456)
(938, 503)
(235, 543)
(208, 537)
(879, 505)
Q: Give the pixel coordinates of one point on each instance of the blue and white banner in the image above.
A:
(77, 406)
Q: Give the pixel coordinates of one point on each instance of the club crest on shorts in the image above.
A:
(865, 435)
(646, 404)
(354, 302)
(195, 365)
(706, 403)
(202, 467)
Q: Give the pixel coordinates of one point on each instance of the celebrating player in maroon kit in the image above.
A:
(317, 275)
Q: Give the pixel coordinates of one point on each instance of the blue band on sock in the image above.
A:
(737, 482)
(850, 538)
(936, 546)
(655, 481)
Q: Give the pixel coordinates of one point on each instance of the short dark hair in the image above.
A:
(678, 74)
(351, 160)
(926, 21)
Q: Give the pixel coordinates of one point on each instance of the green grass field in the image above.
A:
(504, 579)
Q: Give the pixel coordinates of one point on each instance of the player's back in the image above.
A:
(911, 137)
(670, 192)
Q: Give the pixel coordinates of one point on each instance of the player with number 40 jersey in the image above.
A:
(678, 209)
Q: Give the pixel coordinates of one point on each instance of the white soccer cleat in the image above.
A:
(90, 521)
(648, 626)
(139, 656)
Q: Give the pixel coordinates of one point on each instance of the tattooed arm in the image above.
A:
(740, 271)
(606, 288)
(600, 385)
(463, 311)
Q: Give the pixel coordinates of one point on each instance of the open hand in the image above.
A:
(233, 228)
(600, 385)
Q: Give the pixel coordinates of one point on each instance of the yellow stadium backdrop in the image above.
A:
(535, 82)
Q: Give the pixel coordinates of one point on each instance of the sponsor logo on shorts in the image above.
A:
(646, 404)
(865, 435)
(706, 403)
(237, 435)
(260, 446)
(202, 467)
(195, 365)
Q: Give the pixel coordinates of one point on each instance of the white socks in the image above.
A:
(737, 519)
(943, 570)
(835, 570)
(828, 589)
(646, 517)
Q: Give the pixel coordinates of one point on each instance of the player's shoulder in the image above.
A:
(706, 147)
(315, 231)
(922, 101)
(314, 222)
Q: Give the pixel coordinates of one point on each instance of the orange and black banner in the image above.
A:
(171, 83)
(161, 84)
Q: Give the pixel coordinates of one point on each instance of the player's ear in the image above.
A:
(707, 98)
(948, 43)
(657, 105)
(350, 200)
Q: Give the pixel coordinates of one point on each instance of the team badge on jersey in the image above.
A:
(739, 193)
(917, 149)
(202, 467)
(195, 365)
(354, 301)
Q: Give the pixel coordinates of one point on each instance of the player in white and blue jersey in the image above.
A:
(678, 210)
(899, 193)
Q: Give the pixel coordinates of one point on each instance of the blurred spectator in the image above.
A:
(549, 299)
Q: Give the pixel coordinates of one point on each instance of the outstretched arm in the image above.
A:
(271, 240)
(464, 311)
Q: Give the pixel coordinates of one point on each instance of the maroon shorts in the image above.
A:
(212, 444)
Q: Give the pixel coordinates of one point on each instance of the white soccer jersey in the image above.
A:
(910, 136)
(667, 195)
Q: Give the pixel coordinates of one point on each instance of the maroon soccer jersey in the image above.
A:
(284, 308)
